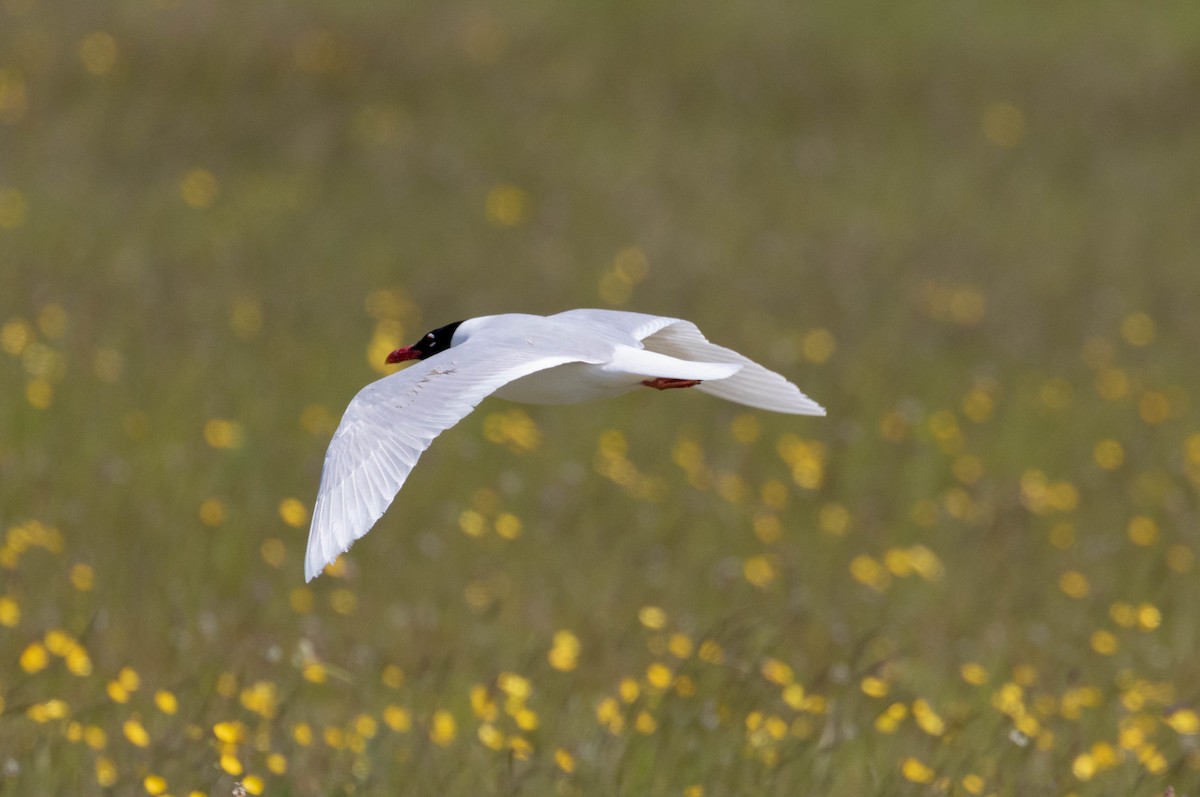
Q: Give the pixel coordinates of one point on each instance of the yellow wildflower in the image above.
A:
(135, 732)
(916, 771)
(443, 729)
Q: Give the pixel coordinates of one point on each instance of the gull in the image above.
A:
(565, 358)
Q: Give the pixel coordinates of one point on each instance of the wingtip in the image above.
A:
(808, 407)
(802, 405)
(314, 565)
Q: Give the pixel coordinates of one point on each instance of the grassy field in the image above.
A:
(968, 230)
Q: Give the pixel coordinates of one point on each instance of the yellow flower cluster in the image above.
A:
(514, 429)
(613, 463)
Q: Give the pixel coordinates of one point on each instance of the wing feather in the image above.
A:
(621, 322)
(392, 421)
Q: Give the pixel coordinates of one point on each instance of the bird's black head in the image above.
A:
(430, 344)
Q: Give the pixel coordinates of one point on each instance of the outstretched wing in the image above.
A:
(753, 385)
(393, 420)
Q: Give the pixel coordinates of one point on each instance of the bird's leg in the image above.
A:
(663, 383)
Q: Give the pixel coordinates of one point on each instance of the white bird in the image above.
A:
(560, 359)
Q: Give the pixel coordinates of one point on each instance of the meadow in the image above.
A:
(968, 230)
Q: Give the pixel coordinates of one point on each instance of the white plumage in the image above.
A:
(560, 359)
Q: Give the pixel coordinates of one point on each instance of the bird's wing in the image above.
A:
(393, 420)
(619, 322)
(753, 385)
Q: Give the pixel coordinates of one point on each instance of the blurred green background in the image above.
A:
(969, 230)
